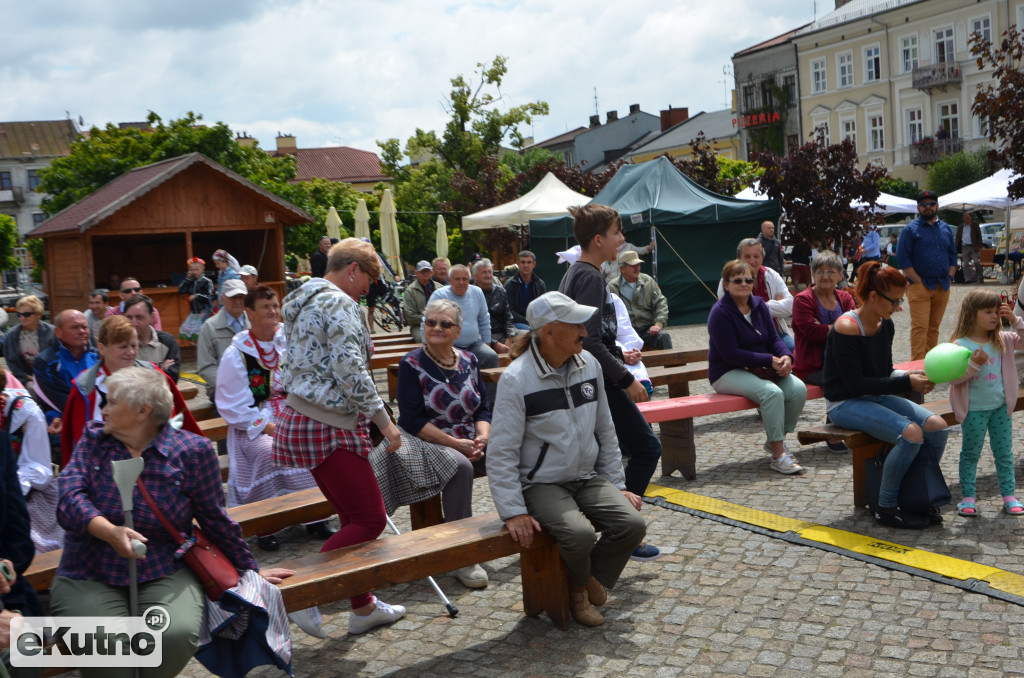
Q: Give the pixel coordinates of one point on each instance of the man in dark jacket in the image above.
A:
(523, 288)
(968, 240)
(773, 257)
(318, 260)
(497, 305)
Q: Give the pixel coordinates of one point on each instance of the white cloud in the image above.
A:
(351, 73)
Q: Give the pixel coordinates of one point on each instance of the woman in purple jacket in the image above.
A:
(747, 358)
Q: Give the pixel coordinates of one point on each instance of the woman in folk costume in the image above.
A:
(227, 268)
(22, 419)
(118, 345)
(249, 397)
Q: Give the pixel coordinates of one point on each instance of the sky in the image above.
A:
(349, 73)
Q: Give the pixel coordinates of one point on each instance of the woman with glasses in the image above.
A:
(441, 400)
(746, 357)
(861, 389)
(30, 338)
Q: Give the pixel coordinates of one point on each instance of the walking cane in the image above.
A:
(452, 610)
(126, 472)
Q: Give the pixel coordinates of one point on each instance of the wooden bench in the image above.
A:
(188, 390)
(864, 446)
(326, 577)
(676, 415)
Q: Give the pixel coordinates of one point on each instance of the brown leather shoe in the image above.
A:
(582, 610)
(596, 593)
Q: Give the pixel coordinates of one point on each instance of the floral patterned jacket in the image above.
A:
(325, 369)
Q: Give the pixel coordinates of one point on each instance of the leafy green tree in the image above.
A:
(816, 186)
(317, 196)
(898, 187)
(1001, 102)
(8, 241)
(958, 170)
(35, 250)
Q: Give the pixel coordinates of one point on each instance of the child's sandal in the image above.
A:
(1014, 508)
(967, 508)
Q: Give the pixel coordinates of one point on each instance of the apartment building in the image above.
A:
(26, 148)
(897, 77)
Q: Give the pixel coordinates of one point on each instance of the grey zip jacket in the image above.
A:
(549, 430)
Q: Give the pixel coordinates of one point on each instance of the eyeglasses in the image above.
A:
(741, 281)
(930, 203)
(26, 314)
(445, 324)
(131, 290)
(894, 302)
(827, 274)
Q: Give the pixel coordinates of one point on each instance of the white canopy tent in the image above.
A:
(990, 193)
(549, 198)
(890, 204)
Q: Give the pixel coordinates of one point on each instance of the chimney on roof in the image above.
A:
(673, 116)
(595, 121)
(612, 116)
(840, 3)
(285, 143)
(246, 141)
(634, 108)
(527, 142)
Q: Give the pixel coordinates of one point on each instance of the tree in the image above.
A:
(1001, 105)
(816, 186)
(708, 170)
(8, 241)
(958, 170)
(317, 196)
(110, 152)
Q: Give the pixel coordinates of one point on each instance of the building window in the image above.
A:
(819, 81)
(5, 181)
(33, 179)
(749, 98)
(944, 50)
(981, 130)
(949, 119)
(789, 84)
(844, 64)
(876, 129)
(38, 218)
(872, 64)
(848, 130)
(982, 25)
(767, 98)
(908, 53)
(915, 126)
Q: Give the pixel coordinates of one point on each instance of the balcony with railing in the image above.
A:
(938, 75)
(12, 196)
(929, 150)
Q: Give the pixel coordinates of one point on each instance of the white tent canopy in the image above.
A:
(990, 193)
(890, 204)
(549, 198)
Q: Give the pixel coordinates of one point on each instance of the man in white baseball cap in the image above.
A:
(250, 276)
(553, 442)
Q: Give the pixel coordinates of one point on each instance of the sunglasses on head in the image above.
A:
(131, 290)
(433, 322)
(742, 281)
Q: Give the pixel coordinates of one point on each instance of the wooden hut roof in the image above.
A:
(125, 189)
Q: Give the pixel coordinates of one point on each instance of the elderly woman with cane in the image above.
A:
(553, 459)
(183, 477)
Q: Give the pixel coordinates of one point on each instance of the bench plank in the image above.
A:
(326, 577)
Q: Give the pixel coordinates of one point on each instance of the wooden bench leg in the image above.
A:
(426, 513)
(678, 452)
(860, 455)
(392, 386)
(545, 584)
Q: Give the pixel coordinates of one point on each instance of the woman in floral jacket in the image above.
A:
(250, 397)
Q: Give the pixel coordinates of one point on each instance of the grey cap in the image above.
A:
(556, 307)
(233, 287)
(423, 265)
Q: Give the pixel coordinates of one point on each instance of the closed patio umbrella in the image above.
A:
(441, 243)
(389, 232)
(333, 223)
(362, 220)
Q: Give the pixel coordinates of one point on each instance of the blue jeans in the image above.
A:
(635, 439)
(885, 417)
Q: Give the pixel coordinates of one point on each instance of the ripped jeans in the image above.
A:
(885, 417)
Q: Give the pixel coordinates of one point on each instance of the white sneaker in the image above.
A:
(786, 464)
(382, 614)
(309, 620)
(771, 453)
(473, 576)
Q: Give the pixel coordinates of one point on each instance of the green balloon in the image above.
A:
(946, 362)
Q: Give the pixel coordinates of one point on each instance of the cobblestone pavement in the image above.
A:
(722, 600)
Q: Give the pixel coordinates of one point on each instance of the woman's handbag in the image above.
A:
(376, 437)
(923, 487)
(764, 373)
(212, 568)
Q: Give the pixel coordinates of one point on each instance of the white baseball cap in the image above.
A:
(248, 269)
(556, 307)
(233, 287)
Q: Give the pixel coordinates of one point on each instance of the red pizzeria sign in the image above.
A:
(756, 119)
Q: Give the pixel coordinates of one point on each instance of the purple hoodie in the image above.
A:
(735, 343)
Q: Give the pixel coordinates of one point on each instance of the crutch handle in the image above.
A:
(139, 548)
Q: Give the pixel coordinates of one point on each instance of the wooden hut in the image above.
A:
(147, 222)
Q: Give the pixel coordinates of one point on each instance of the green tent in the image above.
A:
(696, 231)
